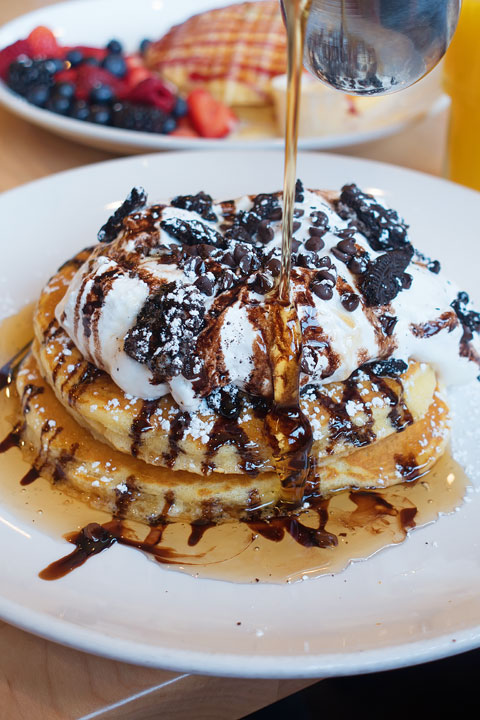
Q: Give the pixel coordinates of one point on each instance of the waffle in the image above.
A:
(233, 52)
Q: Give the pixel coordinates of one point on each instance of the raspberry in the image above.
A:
(11, 53)
(152, 91)
(43, 43)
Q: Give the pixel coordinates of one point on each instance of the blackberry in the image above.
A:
(80, 110)
(25, 74)
(165, 329)
(138, 117)
(201, 203)
(381, 226)
(100, 114)
(58, 104)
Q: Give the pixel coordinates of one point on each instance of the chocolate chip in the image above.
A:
(325, 276)
(470, 319)
(229, 260)
(343, 257)
(204, 284)
(298, 212)
(262, 283)
(358, 265)
(325, 262)
(315, 244)
(204, 251)
(345, 234)
(239, 252)
(239, 234)
(322, 290)
(227, 401)
(265, 232)
(274, 266)
(388, 323)
(195, 265)
(295, 245)
(347, 246)
(276, 214)
(350, 301)
(434, 266)
(316, 231)
(306, 259)
(320, 219)
(299, 190)
(406, 281)
(296, 226)
(225, 280)
(309, 361)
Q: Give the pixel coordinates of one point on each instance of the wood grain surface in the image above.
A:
(40, 680)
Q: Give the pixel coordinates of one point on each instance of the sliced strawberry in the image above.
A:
(136, 75)
(152, 91)
(90, 76)
(185, 129)
(11, 53)
(210, 118)
(43, 43)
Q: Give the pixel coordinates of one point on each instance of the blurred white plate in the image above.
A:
(94, 22)
(414, 602)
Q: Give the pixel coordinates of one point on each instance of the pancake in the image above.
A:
(344, 415)
(67, 455)
(232, 51)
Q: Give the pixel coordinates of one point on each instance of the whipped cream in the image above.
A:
(108, 294)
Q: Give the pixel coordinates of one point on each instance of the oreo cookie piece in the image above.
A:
(469, 318)
(381, 226)
(134, 201)
(387, 368)
(382, 280)
(192, 232)
(200, 203)
(165, 329)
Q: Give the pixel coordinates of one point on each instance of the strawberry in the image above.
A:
(210, 117)
(152, 91)
(43, 43)
(90, 76)
(11, 53)
(185, 129)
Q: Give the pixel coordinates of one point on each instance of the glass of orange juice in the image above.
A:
(462, 84)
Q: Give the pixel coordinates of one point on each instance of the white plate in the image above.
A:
(410, 603)
(94, 22)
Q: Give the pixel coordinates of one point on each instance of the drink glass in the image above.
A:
(462, 84)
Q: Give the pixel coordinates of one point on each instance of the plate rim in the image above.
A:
(223, 664)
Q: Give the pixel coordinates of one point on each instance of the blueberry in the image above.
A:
(114, 46)
(169, 125)
(91, 61)
(38, 95)
(59, 104)
(115, 64)
(181, 108)
(80, 110)
(100, 114)
(64, 89)
(75, 57)
(101, 95)
(144, 45)
(54, 65)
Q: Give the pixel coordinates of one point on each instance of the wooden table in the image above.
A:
(40, 680)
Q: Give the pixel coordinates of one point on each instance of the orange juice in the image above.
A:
(462, 83)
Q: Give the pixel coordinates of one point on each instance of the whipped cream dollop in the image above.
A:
(175, 297)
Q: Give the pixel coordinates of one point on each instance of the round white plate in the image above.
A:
(410, 603)
(94, 22)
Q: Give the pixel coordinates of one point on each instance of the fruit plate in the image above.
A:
(407, 604)
(94, 22)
